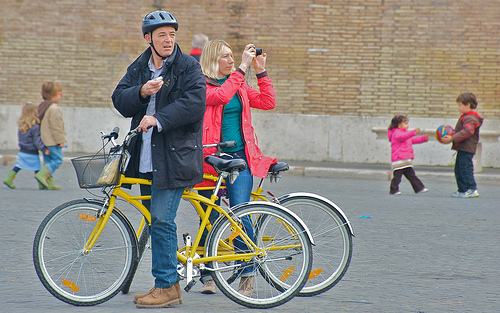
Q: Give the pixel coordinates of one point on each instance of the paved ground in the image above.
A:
(417, 253)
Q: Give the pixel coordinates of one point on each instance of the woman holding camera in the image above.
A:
(228, 118)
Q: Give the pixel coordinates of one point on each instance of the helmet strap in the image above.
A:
(154, 49)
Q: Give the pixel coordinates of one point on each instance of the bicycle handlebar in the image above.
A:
(113, 135)
(223, 144)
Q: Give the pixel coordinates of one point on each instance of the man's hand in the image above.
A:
(151, 87)
(147, 122)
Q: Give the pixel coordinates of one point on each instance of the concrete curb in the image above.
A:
(374, 174)
(340, 170)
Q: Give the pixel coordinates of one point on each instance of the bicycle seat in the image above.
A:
(222, 165)
(279, 167)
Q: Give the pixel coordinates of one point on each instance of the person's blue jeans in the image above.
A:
(238, 192)
(54, 160)
(464, 171)
(164, 204)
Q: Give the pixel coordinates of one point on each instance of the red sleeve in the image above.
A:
(223, 94)
(266, 98)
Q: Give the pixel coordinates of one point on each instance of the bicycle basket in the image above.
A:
(98, 170)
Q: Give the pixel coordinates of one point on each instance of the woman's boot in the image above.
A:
(52, 185)
(42, 175)
(9, 181)
(41, 186)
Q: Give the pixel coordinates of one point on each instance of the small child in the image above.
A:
(465, 142)
(402, 154)
(52, 133)
(29, 144)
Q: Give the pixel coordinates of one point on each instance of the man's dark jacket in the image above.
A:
(177, 150)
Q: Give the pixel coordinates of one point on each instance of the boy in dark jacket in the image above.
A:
(465, 142)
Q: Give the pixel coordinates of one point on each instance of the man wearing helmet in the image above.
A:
(164, 93)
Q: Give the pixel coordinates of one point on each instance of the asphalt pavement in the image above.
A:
(411, 253)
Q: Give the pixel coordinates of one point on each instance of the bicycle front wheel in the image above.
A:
(64, 268)
(278, 273)
(332, 236)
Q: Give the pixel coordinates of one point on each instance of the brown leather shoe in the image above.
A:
(160, 298)
(246, 286)
(209, 287)
(142, 295)
(178, 288)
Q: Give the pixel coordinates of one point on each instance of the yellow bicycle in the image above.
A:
(328, 224)
(86, 250)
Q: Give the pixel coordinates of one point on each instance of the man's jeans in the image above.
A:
(54, 160)
(164, 204)
(464, 171)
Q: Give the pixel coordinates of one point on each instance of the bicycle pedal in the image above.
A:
(190, 285)
(187, 239)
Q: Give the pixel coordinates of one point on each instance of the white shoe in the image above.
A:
(397, 193)
(471, 193)
(423, 190)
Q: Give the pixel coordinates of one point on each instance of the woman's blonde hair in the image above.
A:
(209, 59)
(28, 118)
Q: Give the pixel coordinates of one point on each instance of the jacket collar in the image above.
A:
(212, 81)
(472, 113)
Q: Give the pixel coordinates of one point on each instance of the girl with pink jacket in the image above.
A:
(402, 154)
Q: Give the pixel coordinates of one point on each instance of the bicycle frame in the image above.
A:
(190, 255)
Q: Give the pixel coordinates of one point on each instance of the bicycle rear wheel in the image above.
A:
(286, 256)
(332, 251)
(70, 274)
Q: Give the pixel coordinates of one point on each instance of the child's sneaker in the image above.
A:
(457, 194)
(471, 193)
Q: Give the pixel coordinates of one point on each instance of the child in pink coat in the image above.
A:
(402, 154)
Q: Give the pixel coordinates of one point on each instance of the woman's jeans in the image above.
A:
(164, 204)
(238, 192)
(54, 160)
(464, 171)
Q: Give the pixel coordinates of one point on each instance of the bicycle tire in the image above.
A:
(141, 247)
(69, 274)
(292, 262)
(332, 251)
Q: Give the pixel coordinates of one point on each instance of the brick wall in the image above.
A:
(351, 57)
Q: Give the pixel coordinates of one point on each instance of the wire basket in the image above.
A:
(89, 170)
